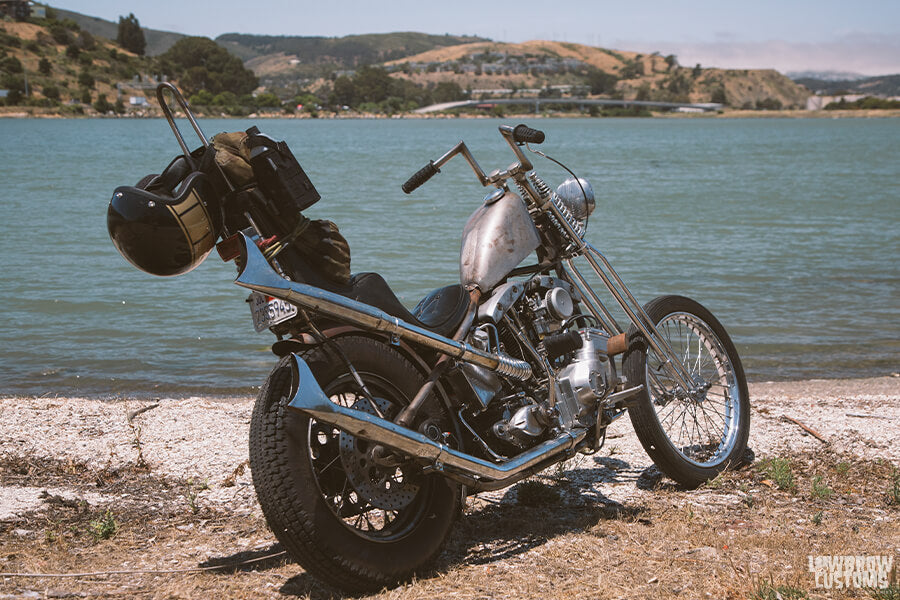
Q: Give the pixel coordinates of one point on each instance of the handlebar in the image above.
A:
(420, 177)
(523, 134)
(514, 136)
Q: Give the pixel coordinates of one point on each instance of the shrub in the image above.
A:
(819, 489)
(11, 64)
(769, 104)
(103, 528)
(102, 105)
(85, 80)
(780, 471)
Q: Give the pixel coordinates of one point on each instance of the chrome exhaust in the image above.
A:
(257, 274)
(309, 399)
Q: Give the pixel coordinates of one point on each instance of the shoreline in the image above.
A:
(17, 112)
(74, 395)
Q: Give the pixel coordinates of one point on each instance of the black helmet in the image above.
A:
(168, 223)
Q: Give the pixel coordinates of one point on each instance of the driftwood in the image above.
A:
(868, 416)
(141, 410)
(805, 428)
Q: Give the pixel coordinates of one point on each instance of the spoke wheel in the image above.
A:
(355, 519)
(375, 501)
(692, 434)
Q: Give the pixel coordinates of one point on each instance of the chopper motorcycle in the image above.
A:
(378, 421)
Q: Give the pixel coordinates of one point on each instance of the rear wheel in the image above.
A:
(357, 523)
(692, 435)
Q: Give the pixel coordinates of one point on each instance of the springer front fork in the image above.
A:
(636, 314)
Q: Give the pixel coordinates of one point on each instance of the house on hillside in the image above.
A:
(15, 9)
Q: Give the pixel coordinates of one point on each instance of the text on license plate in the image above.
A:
(268, 311)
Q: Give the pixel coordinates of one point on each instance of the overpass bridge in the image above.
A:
(582, 102)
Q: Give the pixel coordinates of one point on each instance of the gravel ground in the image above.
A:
(170, 477)
(204, 440)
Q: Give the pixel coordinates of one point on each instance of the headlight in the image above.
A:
(578, 196)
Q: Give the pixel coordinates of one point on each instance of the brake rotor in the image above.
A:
(387, 488)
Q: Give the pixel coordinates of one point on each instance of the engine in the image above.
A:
(539, 321)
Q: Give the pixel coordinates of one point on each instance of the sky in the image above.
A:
(858, 36)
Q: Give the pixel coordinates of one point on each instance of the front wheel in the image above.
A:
(691, 435)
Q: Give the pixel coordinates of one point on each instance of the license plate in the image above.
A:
(268, 311)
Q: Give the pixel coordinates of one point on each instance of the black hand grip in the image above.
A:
(524, 133)
(420, 177)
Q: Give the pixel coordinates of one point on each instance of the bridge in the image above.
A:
(582, 102)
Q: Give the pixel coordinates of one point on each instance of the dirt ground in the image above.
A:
(103, 499)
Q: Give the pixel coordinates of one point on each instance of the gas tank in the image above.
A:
(496, 239)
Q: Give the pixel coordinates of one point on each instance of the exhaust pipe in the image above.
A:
(310, 400)
(258, 275)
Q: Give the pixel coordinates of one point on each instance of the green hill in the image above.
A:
(277, 59)
(157, 41)
(882, 85)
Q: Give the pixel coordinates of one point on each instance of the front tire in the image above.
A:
(691, 437)
(354, 524)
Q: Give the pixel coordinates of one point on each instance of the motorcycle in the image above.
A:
(378, 422)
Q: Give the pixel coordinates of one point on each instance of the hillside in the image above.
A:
(277, 59)
(56, 65)
(599, 71)
(71, 64)
(883, 85)
(157, 41)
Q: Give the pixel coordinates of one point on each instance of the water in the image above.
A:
(786, 229)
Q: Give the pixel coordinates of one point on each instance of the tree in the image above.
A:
(11, 64)
(86, 41)
(85, 80)
(643, 93)
(131, 36)
(373, 84)
(268, 100)
(447, 91)
(632, 69)
(51, 92)
(200, 63)
(201, 98)
(102, 105)
(601, 82)
(59, 33)
(719, 96)
(44, 66)
(344, 91)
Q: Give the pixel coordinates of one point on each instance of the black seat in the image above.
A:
(441, 311)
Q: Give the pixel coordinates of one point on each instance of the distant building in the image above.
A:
(137, 101)
(820, 102)
(15, 9)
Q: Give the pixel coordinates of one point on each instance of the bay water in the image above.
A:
(787, 229)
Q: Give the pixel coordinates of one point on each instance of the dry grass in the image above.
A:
(738, 537)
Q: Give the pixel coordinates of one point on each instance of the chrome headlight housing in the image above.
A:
(578, 196)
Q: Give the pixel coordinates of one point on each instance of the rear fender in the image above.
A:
(305, 341)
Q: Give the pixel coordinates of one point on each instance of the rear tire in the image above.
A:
(691, 439)
(353, 524)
